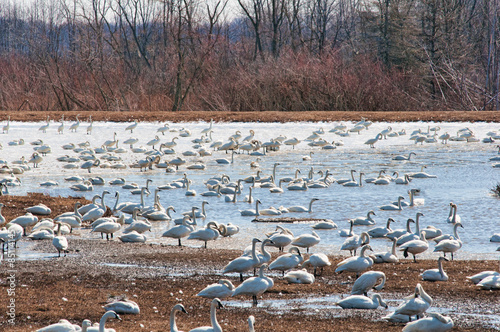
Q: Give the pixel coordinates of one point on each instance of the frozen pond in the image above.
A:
(464, 175)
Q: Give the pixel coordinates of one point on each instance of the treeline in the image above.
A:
(250, 55)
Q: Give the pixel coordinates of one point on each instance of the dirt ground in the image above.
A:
(158, 276)
(452, 116)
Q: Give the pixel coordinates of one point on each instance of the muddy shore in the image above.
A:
(157, 276)
(449, 116)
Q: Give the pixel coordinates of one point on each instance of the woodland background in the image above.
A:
(249, 55)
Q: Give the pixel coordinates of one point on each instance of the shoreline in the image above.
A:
(270, 116)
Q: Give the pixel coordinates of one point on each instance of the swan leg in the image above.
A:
(414, 258)
(254, 297)
(180, 243)
(241, 277)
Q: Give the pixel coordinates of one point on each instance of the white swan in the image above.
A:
(318, 260)
(5, 128)
(401, 157)
(173, 324)
(434, 322)
(422, 174)
(74, 126)
(59, 241)
(128, 207)
(397, 233)
(133, 236)
(476, 278)
(224, 288)
(415, 247)
(386, 257)
(325, 224)
(306, 240)
(354, 183)
(197, 212)
(365, 221)
(96, 212)
(381, 231)
(453, 217)
(180, 231)
(243, 263)
(450, 245)
(299, 277)
(25, 221)
(352, 243)
(416, 303)
(495, 237)
(287, 261)
(436, 274)
(44, 127)
(371, 142)
(254, 286)
(490, 283)
(216, 303)
(393, 207)
(42, 234)
(367, 281)
(62, 326)
(228, 230)
(299, 208)
(89, 164)
(281, 237)
(251, 212)
(123, 306)
(102, 323)
(109, 226)
(132, 126)
(348, 232)
(362, 302)
(40, 208)
(209, 233)
(356, 264)
(412, 236)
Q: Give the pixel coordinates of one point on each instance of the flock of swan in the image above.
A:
(131, 220)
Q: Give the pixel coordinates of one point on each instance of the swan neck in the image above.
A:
(455, 233)
(393, 251)
(173, 324)
(102, 322)
(213, 318)
(417, 225)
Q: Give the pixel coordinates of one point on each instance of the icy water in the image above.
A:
(464, 175)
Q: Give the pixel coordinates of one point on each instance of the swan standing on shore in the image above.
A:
(415, 247)
(306, 240)
(180, 231)
(243, 263)
(59, 241)
(254, 286)
(318, 260)
(354, 242)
